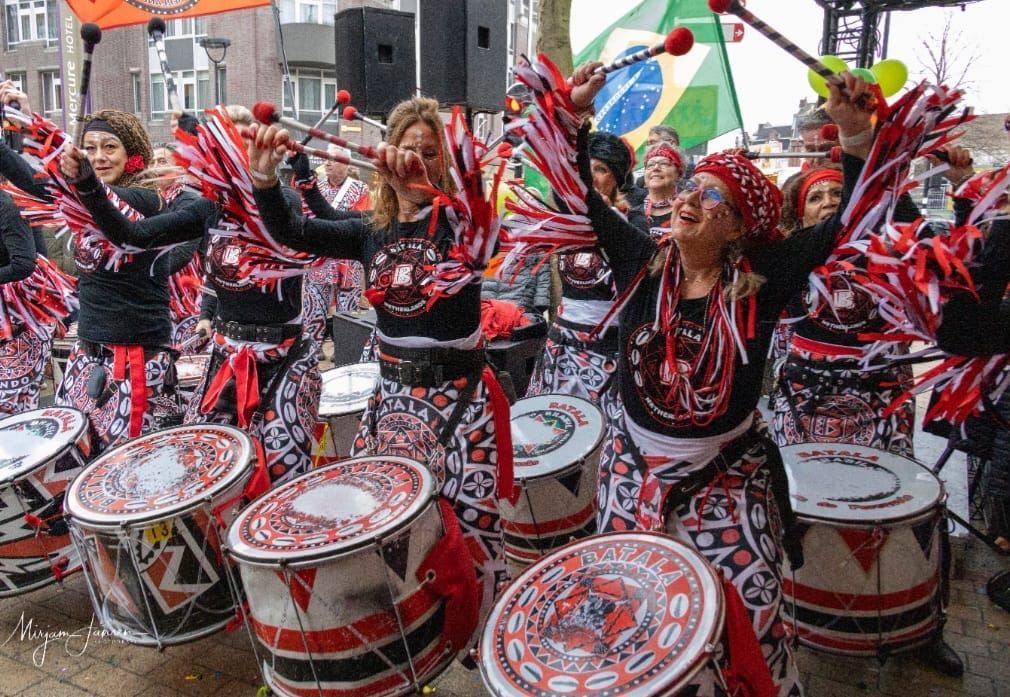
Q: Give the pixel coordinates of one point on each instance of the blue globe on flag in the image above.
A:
(630, 96)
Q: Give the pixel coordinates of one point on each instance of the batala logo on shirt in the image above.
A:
(400, 269)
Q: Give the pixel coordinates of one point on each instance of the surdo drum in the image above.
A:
(871, 545)
(189, 370)
(556, 452)
(149, 518)
(344, 396)
(41, 451)
(621, 614)
(336, 565)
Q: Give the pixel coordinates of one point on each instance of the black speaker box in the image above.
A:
(375, 57)
(463, 52)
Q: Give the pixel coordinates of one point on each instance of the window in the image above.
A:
(136, 91)
(315, 91)
(221, 86)
(19, 79)
(190, 26)
(193, 88)
(30, 20)
(52, 92)
(309, 11)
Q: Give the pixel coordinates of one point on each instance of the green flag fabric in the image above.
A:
(694, 93)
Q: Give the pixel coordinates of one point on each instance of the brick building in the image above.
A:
(127, 74)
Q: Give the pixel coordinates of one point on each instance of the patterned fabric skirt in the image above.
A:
(286, 417)
(22, 370)
(733, 523)
(822, 398)
(316, 296)
(569, 366)
(90, 385)
(348, 282)
(408, 422)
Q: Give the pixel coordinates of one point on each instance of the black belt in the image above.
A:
(428, 367)
(94, 349)
(606, 343)
(263, 333)
(825, 374)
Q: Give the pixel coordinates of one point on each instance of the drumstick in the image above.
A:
(343, 96)
(266, 113)
(156, 28)
(91, 35)
(677, 43)
(295, 146)
(352, 114)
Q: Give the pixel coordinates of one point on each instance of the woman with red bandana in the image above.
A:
(663, 168)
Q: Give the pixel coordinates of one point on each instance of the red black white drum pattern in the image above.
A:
(345, 394)
(41, 451)
(626, 614)
(333, 564)
(573, 368)
(556, 443)
(871, 545)
(22, 369)
(149, 519)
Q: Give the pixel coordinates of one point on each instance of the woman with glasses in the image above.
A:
(684, 452)
(571, 362)
(663, 168)
(434, 402)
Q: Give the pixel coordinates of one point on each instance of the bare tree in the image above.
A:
(555, 33)
(948, 58)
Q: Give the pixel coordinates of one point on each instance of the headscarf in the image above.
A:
(759, 201)
(131, 134)
(663, 149)
(814, 178)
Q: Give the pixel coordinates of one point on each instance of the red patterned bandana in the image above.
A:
(759, 201)
(669, 152)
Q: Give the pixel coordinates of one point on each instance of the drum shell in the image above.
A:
(858, 602)
(323, 597)
(40, 493)
(552, 510)
(127, 568)
(336, 435)
(60, 353)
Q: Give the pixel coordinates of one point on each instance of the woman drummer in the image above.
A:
(684, 451)
(435, 401)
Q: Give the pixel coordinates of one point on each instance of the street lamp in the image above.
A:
(216, 50)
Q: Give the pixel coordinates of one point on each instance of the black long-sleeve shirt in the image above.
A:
(17, 247)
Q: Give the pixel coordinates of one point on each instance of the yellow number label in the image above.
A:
(159, 532)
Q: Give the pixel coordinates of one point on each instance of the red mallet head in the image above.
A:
(679, 41)
(265, 112)
(829, 131)
(350, 113)
(504, 150)
(720, 6)
(343, 97)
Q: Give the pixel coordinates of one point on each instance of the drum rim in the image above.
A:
(348, 411)
(275, 561)
(703, 657)
(79, 434)
(517, 462)
(104, 522)
(922, 513)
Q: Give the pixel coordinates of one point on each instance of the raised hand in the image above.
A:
(267, 146)
(586, 85)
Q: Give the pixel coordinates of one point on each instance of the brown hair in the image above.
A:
(131, 134)
(792, 208)
(403, 116)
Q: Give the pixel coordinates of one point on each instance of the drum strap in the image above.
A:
(747, 671)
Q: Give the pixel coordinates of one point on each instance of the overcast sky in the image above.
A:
(770, 83)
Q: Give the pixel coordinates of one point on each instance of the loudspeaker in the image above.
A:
(463, 52)
(350, 334)
(375, 57)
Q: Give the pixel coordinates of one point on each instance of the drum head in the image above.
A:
(33, 438)
(853, 484)
(332, 511)
(551, 432)
(189, 369)
(627, 614)
(347, 389)
(160, 474)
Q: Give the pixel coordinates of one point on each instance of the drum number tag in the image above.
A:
(159, 532)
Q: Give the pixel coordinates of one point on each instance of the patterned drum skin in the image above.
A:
(149, 519)
(190, 370)
(870, 522)
(323, 558)
(345, 394)
(621, 615)
(556, 452)
(41, 451)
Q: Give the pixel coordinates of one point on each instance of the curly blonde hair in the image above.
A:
(403, 116)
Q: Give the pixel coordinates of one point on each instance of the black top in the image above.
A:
(394, 261)
(17, 246)
(585, 274)
(784, 264)
(189, 217)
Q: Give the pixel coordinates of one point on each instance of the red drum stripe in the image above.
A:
(847, 602)
(866, 645)
(549, 528)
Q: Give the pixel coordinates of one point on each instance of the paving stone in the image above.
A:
(16, 676)
(109, 681)
(54, 688)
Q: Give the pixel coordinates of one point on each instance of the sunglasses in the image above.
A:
(710, 196)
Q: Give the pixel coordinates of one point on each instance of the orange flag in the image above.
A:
(109, 14)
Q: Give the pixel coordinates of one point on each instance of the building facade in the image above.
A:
(127, 74)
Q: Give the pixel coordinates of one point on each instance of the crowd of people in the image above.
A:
(684, 283)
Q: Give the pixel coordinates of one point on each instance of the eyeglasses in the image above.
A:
(428, 155)
(710, 196)
(657, 162)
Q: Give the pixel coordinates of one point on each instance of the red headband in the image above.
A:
(817, 176)
(668, 151)
(759, 201)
